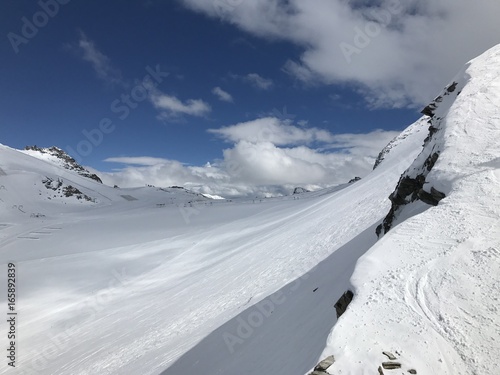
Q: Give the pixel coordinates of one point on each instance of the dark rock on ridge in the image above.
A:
(343, 303)
(67, 161)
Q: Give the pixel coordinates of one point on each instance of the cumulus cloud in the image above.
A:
(171, 107)
(99, 61)
(274, 130)
(395, 52)
(222, 95)
(266, 157)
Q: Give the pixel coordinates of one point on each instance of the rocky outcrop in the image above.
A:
(391, 365)
(343, 302)
(355, 179)
(390, 356)
(410, 189)
(431, 108)
(66, 161)
(413, 184)
(300, 190)
(52, 184)
(324, 365)
(67, 191)
(71, 191)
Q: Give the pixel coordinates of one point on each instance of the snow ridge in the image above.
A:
(428, 290)
(397, 140)
(412, 185)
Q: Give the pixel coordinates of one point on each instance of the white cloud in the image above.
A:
(171, 107)
(401, 52)
(271, 129)
(258, 81)
(100, 62)
(137, 160)
(267, 157)
(222, 95)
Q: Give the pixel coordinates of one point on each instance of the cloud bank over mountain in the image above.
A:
(267, 156)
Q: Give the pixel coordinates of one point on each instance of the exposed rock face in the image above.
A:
(390, 356)
(391, 365)
(66, 161)
(299, 190)
(52, 184)
(343, 302)
(431, 108)
(71, 191)
(355, 179)
(413, 184)
(67, 191)
(324, 365)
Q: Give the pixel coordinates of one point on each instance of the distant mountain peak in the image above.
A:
(64, 160)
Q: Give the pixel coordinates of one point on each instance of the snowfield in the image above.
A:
(166, 281)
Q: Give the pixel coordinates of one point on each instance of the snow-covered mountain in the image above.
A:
(59, 157)
(428, 291)
(167, 281)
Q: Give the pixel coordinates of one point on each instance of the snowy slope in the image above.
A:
(166, 281)
(121, 286)
(428, 291)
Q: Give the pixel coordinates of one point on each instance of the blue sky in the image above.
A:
(226, 66)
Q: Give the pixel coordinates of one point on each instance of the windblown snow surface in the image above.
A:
(150, 281)
(165, 281)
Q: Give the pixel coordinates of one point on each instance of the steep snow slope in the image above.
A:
(130, 285)
(428, 291)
